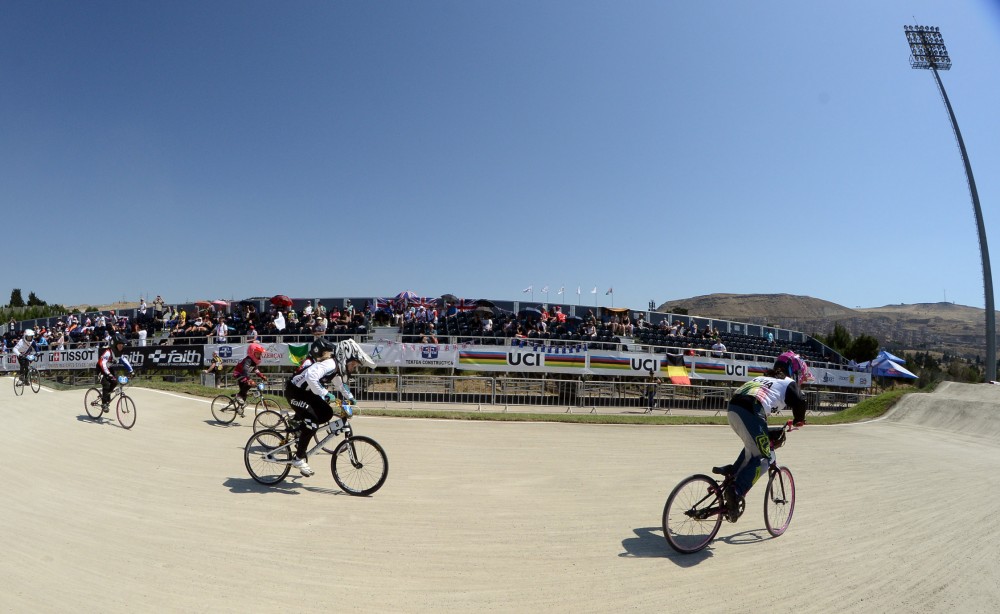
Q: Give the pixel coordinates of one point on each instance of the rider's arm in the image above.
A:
(102, 362)
(127, 364)
(340, 386)
(316, 373)
(796, 399)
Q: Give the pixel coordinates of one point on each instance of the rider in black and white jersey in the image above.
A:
(307, 393)
(25, 349)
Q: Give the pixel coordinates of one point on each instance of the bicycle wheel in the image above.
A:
(266, 405)
(268, 457)
(224, 409)
(269, 421)
(18, 384)
(35, 380)
(92, 403)
(359, 465)
(693, 514)
(126, 412)
(779, 501)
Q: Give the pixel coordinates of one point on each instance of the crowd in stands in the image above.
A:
(483, 324)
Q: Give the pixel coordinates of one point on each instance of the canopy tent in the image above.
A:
(887, 365)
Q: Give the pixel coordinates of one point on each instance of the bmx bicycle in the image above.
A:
(225, 407)
(696, 507)
(359, 464)
(124, 405)
(34, 379)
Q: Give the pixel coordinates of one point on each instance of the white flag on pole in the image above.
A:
(610, 291)
(545, 290)
(526, 290)
(562, 289)
(594, 291)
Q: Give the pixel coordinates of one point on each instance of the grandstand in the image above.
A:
(378, 318)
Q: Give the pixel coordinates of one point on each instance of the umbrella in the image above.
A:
(485, 303)
(221, 303)
(405, 296)
(483, 310)
(202, 304)
(448, 298)
(574, 319)
(280, 300)
(530, 312)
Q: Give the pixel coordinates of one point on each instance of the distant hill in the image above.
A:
(933, 327)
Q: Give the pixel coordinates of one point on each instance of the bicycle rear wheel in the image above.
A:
(269, 421)
(693, 514)
(18, 384)
(224, 409)
(35, 380)
(92, 403)
(268, 457)
(779, 501)
(359, 465)
(126, 412)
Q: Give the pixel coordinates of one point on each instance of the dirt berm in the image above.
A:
(970, 409)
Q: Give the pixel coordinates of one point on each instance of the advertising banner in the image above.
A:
(568, 360)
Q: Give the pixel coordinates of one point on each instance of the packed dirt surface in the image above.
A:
(893, 515)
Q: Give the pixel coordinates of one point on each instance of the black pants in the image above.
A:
(311, 410)
(24, 362)
(108, 384)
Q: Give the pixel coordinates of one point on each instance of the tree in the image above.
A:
(865, 347)
(34, 301)
(15, 298)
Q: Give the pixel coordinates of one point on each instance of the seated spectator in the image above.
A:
(430, 336)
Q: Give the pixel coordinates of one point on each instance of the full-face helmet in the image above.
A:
(792, 364)
(255, 352)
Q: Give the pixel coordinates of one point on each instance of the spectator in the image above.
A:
(141, 333)
(221, 331)
(216, 367)
(252, 334)
(718, 348)
(158, 308)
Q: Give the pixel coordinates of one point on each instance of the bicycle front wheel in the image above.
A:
(35, 380)
(693, 514)
(779, 501)
(224, 409)
(126, 412)
(359, 465)
(268, 457)
(266, 405)
(92, 403)
(269, 421)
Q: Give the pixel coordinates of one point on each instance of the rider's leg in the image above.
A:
(756, 453)
(107, 385)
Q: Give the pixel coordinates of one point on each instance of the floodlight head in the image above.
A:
(927, 48)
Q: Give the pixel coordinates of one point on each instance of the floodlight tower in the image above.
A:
(927, 51)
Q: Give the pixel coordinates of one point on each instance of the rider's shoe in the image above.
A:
(302, 466)
(732, 501)
(105, 408)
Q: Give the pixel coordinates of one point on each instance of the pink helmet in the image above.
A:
(255, 352)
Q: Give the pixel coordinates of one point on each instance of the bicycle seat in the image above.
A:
(723, 470)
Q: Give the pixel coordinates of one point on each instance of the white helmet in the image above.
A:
(349, 349)
(29, 333)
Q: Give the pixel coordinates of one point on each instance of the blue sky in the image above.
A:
(666, 149)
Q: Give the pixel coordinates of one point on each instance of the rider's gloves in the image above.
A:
(328, 397)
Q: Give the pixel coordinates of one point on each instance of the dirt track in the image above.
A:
(899, 514)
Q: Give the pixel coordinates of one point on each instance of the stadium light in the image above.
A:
(928, 51)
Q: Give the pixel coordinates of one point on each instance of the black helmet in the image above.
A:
(118, 338)
(319, 347)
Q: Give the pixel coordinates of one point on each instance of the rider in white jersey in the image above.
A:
(25, 349)
(307, 393)
(747, 415)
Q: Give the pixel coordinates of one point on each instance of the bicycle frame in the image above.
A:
(333, 430)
